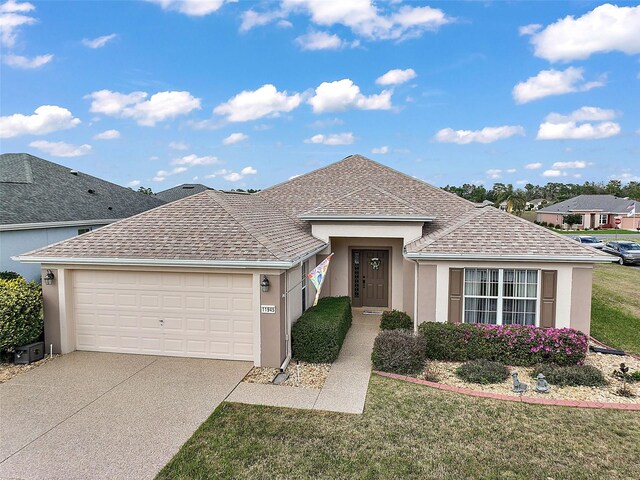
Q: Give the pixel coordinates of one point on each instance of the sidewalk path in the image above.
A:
(345, 389)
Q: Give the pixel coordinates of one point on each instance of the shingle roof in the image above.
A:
(602, 203)
(210, 226)
(33, 190)
(494, 233)
(367, 201)
(181, 191)
(265, 226)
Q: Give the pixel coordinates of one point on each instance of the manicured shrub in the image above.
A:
(21, 319)
(318, 334)
(483, 371)
(6, 275)
(571, 375)
(398, 351)
(509, 344)
(395, 319)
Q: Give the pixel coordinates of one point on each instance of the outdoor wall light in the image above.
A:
(48, 278)
(264, 284)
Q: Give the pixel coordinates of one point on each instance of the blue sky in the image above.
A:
(248, 94)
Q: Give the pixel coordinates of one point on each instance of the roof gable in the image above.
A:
(37, 191)
(181, 191)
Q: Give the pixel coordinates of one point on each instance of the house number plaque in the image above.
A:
(267, 309)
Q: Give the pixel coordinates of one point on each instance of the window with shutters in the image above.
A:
(497, 296)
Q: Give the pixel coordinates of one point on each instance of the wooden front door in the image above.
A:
(370, 284)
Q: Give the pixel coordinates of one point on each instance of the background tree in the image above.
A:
(145, 190)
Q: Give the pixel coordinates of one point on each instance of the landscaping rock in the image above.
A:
(312, 375)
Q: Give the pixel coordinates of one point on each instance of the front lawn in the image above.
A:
(412, 431)
(615, 310)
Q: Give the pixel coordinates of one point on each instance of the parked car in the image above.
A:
(589, 241)
(629, 252)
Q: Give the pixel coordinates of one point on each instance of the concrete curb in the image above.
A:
(511, 398)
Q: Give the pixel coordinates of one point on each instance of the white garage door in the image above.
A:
(178, 314)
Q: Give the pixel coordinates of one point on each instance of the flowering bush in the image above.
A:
(510, 344)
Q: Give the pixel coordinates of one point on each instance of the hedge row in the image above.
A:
(394, 319)
(21, 319)
(509, 344)
(318, 334)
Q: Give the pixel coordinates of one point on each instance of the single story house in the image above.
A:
(535, 204)
(42, 202)
(224, 274)
(597, 211)
(181, 191)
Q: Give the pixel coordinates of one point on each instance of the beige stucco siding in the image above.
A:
(565, 296)
(428, 293)
(582, 281)
(407, 231)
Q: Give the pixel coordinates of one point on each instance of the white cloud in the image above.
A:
(332, 139)
(251, 105)
(533, 166)
(178, 146)
(46, 119)
(160, 106)
(365, 19)
(529, 29)
(522, 182)
(193, 8)
(12, 18)
(553, 82)
(319, 41)
(396, 77)
(494, 173)
(576, 126)
(511, 170)
(248, 171)
(98, 42)
(235, 138)
(251, 19)
(193, 160)
(161, 175)
(107, 135)
(61, 149)
(576, 164)
(486, 135)
(606, 28)
(133, 183)
(553, 173)
(344, 94)
(380, 151)
(234, 176)
(26, 63)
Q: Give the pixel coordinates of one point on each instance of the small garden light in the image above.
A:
(264, 284)
(49, 277)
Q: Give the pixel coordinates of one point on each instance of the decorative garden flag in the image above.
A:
(632, 210)
(317, 276)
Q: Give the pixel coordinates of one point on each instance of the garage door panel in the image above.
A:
(179, 314)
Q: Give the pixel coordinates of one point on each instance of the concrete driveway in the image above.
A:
(101, 415)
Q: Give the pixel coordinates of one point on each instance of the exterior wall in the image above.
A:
(565, 296)
(340, 266)
(428, 291)
(582, 280)
(273, 326)
(407, 231)
(628, 223)
(554, 218)
(17, 242)
(408, 287)
(51, 308)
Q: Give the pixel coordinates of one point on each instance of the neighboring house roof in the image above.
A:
(222, 227)
(211, 226)
(536, 200)
(181, 191)
(592, 203)
(35, 191)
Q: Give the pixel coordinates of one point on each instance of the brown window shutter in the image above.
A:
(548, 300)
(456, 278)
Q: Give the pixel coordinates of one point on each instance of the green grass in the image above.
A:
(615, 307)
(410, 431)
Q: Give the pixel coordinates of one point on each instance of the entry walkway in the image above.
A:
(345, 389)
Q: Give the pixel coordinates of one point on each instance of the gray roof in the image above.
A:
(592, 203)
(181, 191)
(266, 226)
(33, 190)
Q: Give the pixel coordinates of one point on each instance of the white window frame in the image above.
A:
(500, 298)
(606, 219)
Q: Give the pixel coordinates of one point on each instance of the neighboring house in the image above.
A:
(181, 191)
(42, 203)
(597, 211)
(223, 275)
(503, 206)
(535, 204)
